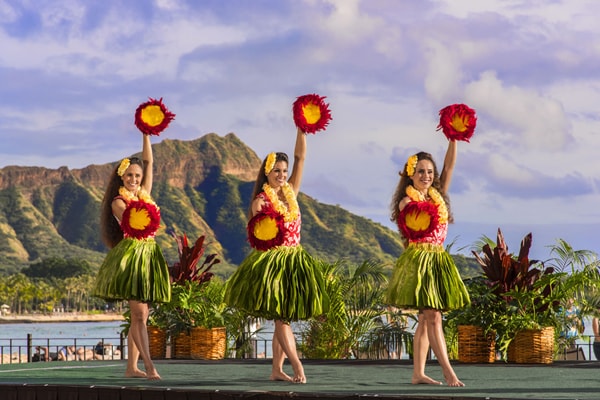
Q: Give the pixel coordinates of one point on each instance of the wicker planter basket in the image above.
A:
(208, 344)
(157, 339)
(532, 346)
(474, 346)
(181, 346)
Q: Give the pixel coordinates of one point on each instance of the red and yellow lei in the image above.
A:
(291, 211)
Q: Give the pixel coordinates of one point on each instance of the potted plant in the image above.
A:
(526, 298)
(194, 301)
(476, 325)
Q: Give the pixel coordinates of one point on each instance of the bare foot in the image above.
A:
(452, 380)
(424, 380)
(136, 373)
(299, 379)
(153, 375)
(280, 376)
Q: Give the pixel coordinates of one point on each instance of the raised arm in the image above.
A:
(148, 163)
(299, 156)
(448, 168)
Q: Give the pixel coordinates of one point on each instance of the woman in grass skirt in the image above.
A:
(135, 268)
(425, 276)
(279, 280)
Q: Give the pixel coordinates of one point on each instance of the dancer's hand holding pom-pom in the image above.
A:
(458, 122)
(140, 220)
(266, 229)
(418, 219)
(311, 113)
(153, 117)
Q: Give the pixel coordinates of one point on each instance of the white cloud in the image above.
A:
(536, 120)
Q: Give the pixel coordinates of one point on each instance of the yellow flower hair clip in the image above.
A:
(270, 163)
(411, 165)
(123, 166)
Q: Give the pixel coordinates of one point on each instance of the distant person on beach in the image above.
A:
(279, 280)
(134, 268)
(425, 276)
(64, 353)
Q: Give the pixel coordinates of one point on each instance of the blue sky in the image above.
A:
(73, 72)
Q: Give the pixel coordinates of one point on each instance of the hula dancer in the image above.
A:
(425, 276)
(135, 268)
(279, 280)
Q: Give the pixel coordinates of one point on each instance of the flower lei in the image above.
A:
(289, 212)
(123, 166)
(437, 198)
(142, 195)
(411, 165)
(270, 163)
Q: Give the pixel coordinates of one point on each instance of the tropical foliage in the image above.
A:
(514, 293)
(196, 298)
(354, 322)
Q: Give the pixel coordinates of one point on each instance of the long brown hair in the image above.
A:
(110, 229)
(406, 180)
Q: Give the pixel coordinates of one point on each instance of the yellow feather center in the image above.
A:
(460, 123)
(265, 229)
(139, 219)
(312, 112)
(418, 221)
(152, 115)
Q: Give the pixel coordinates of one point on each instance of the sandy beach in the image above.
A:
(59, 317)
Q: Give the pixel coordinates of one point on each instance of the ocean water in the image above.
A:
(60, 333)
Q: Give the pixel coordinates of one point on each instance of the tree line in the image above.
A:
(51, 285)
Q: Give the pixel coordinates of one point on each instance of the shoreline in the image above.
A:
(60, 317)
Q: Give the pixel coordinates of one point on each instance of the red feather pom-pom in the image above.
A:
(140, 220)
(418, 219)
(458, 122)
(311, 114)
(266, 229)
(152, 117)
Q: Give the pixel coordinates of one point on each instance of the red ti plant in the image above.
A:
(505, 273)
(186, 269)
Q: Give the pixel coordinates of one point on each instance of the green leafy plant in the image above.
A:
(196, 298)
(350, 326)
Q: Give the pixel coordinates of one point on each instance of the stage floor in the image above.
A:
(227, 379)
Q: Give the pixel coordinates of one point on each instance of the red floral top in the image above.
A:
(437, 236)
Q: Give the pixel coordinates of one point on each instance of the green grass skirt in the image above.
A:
(283, 283)
(134, 270)
(425, 276)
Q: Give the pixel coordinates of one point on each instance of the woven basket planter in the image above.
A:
(181, 346)
(532, 346)
(157, 340)
(208, 344)
(474, 346)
